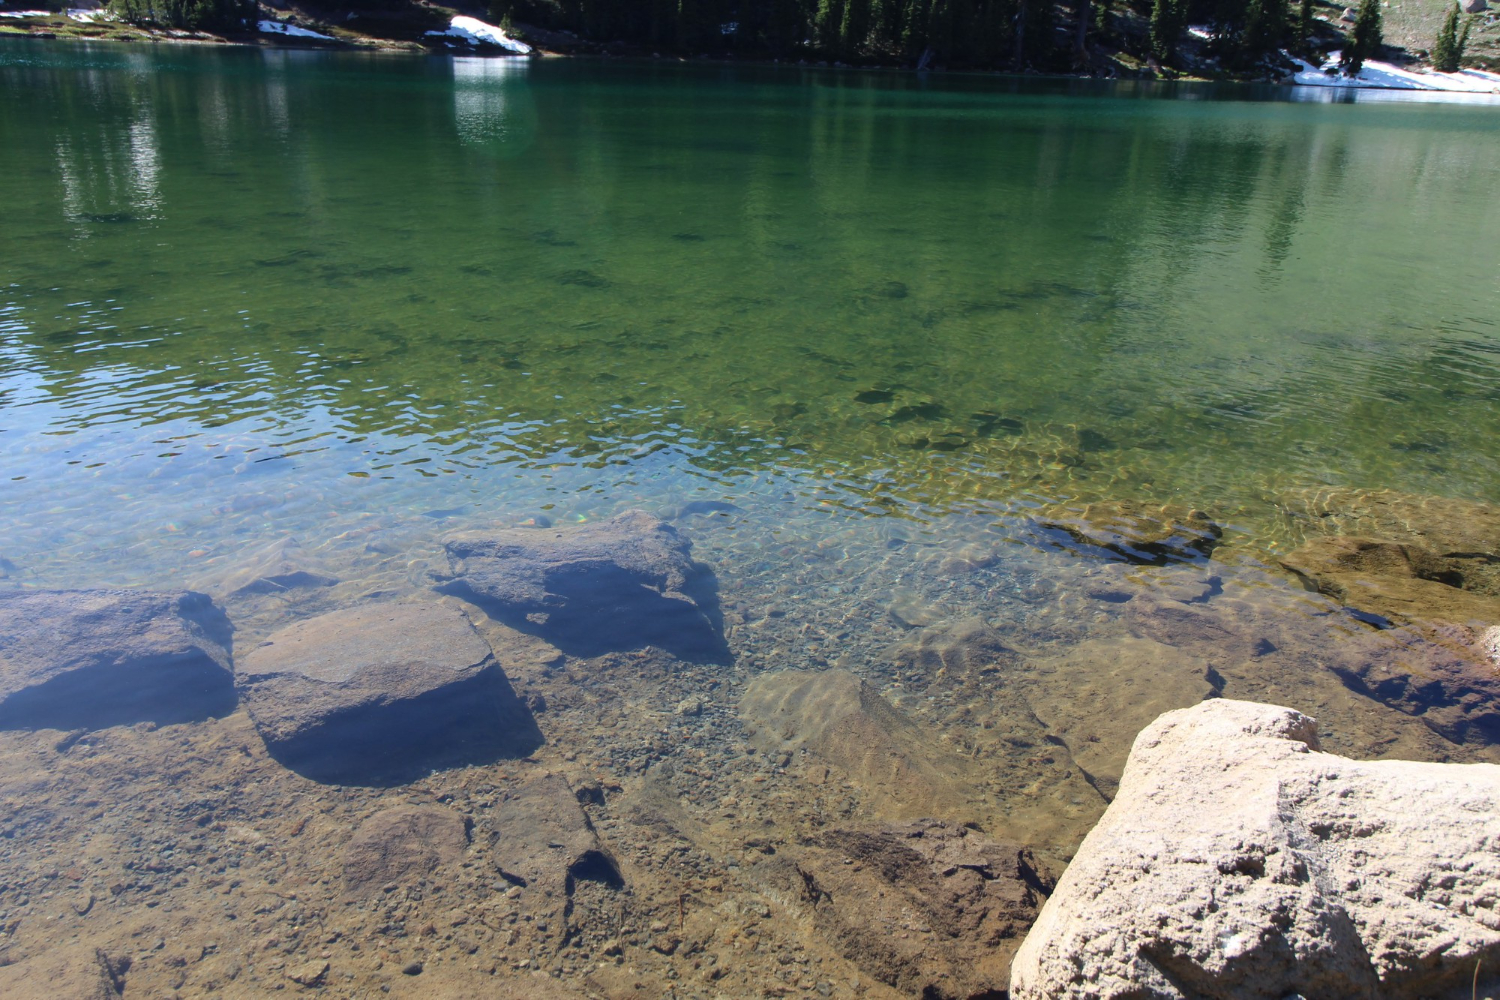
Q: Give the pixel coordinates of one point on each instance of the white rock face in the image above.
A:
(1239, 862)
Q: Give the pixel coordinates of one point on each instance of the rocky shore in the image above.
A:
(612, 759)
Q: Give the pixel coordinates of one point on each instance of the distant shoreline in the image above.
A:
(65, 27)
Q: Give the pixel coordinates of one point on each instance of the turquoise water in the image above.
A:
(348, 283)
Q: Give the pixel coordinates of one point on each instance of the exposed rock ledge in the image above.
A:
(1239, 862)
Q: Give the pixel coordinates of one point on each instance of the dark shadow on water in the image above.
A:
(604, 609)
(188, 688)
(477, 722)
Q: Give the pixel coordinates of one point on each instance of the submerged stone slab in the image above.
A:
(1239, 863)
(842, 721)
(75, 972)
(382, 694)
(87, 659)
(623, 583)
(402, 844)
(1143, 533)
(933, 909)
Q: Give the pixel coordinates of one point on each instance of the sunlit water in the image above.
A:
(359, 301)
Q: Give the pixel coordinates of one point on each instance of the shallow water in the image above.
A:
(362, 301)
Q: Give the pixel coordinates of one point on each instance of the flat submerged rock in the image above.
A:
(90, 659)
(382, 694)
(619, 584)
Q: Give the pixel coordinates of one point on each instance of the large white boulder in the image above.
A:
(1238, 861)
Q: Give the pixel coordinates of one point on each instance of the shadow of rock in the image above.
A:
(620, 584)
(382, 695)
(90, 659)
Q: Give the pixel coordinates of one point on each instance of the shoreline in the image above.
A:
(1378, 77)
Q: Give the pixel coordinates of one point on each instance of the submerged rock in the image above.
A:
(619, 584)
(69, 973)
(1239, 862)
(844, 722)
(1141, 533)
(402, 845)
(541, 840)
(382, 694)
(933, 909)
(1098, 695)
(964, 650)
(88, 659)
(277, 568)
(1398, 582)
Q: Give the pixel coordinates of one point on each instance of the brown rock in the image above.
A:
(844, 722)
(932, 909)
(73, 973)
(619, 584)
(1098, 695)
(88, 659)
(1399, 582)
(1136, 532)
(383, 693)
(310, 974)
(402, 845)
(541, 839)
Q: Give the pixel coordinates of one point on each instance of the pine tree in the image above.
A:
(1265, 21)
(1364, 41)
(1164, 29)
(1445, 52)
(1304, 24)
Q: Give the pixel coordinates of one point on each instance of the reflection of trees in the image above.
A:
(585, 263)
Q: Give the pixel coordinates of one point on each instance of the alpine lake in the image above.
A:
(1001, 415)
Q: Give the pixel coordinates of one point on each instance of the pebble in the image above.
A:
(411, 969)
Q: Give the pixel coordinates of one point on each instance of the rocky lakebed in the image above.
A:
(625, 757)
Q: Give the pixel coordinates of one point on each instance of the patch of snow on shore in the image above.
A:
(25, 13)
(476, 32)
(1393, 77)
(291, 31)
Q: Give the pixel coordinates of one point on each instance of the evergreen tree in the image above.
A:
(1304, 24)
(1265, 23)
(1165, 27)
(1364, 41)
(1445, 52)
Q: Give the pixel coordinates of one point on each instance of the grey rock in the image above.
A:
(619, 584)
(87, 659)
(383, 694)
(1238, 863)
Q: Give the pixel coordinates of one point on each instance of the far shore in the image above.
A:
(298, 32)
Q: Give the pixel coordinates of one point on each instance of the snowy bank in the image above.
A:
(1392, 77)
(476, 32)
(291, 31)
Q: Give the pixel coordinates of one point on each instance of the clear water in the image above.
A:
(361, 300)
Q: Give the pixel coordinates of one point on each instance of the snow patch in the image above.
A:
(476, 32)
(291, 31)
(25, 13)
(1392, 77)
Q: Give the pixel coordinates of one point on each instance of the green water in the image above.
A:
(380, 283)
